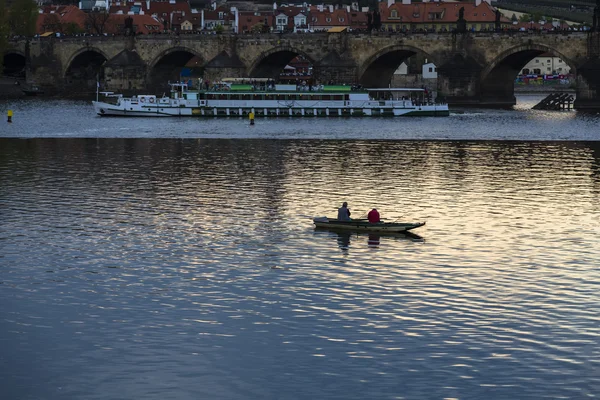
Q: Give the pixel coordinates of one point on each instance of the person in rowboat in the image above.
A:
(373, 216)
(344, 212)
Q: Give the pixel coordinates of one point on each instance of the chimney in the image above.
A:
(477, 3)
(320, 7)
(348, 8)
(406, 2)
(330, 8)
(390, 2)
(236, 22)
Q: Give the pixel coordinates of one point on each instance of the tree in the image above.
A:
(3, 33)
(72, 28)
(525, 18)
(22, 17)
(96, 22)
(376, 20)
(219, 28)
(258, 28)
(514, 18)
(536, 17)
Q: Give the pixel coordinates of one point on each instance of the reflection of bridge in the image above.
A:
(473, 68)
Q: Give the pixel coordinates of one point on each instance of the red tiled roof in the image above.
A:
(247, 20)
(160, 7)
(438, 12)
(142, 23)
(62, 15)
(327, 19)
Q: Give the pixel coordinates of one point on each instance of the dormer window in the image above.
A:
(341, 19)
(484, 14)
(328, 19)
(394, 14)
(220, 14)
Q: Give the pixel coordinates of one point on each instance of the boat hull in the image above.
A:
(193, 110)
(364, 226)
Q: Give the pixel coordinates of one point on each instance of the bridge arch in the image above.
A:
(84, 68)
(378, 69)
(498, 77)
(168, 64)
(14, 63)
(272, 62)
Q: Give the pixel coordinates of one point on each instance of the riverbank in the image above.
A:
(541, 89)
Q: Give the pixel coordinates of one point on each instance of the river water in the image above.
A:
(176, 259)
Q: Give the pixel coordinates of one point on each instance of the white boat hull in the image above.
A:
(185, 110)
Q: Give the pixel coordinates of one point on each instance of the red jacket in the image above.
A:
(373, 216)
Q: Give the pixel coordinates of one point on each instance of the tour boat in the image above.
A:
(241, 97)
(362, 225)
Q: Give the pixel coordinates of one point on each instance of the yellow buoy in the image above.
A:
(10, 114)
(251, 117)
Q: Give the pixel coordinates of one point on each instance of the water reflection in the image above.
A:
(348, 239)
(195, 258)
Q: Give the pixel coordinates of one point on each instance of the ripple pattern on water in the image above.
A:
(144, 268)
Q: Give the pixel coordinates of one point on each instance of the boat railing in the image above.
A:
(259, 87)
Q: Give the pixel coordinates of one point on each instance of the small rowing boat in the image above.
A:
(362, 225)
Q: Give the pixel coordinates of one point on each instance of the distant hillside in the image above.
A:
(576, 10)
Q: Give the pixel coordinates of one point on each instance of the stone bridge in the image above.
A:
(473, 68)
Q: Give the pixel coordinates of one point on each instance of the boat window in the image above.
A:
(326, 97)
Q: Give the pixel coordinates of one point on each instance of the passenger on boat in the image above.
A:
(374, 216)
(344, 212)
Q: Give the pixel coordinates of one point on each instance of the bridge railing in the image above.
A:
(257, 36)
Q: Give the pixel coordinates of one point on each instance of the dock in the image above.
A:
(556, 101)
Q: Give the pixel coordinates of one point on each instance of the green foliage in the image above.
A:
(219, 28)
(72, 28)
(564, 13)
(258, 28)
(3, 33)
(514, 18)
(22, 17)
(525, 18)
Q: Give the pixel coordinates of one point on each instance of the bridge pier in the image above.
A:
(588, 77)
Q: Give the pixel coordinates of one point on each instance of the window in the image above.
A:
(537, 61)
(341, 19)
(394, 14)
(483, 14)
(328, 19)
(281, 21)
(430, 69)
